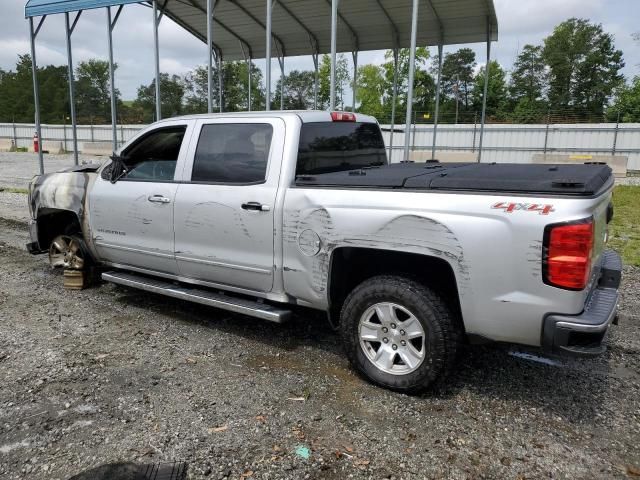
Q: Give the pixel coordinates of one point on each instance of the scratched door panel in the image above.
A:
(132, 218)
(217, 239)
(131, 230)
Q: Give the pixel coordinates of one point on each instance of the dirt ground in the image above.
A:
(110, 374)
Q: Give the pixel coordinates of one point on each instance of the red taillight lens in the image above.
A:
(567, 259)
(343, 117)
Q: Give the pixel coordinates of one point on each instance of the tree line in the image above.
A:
(573, 75)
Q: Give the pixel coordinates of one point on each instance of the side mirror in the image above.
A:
(118, 168)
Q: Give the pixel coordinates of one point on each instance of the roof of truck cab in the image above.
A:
(304, 115)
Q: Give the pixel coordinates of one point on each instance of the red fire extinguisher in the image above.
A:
(36, 142)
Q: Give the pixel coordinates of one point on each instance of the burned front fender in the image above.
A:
(66, 191)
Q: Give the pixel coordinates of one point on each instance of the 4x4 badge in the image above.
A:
(511, 207)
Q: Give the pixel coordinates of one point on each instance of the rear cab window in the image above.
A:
(327, 147)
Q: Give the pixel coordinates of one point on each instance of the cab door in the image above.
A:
(224, 208)
(132, 218)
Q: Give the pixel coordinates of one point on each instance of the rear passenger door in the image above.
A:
(225, 203)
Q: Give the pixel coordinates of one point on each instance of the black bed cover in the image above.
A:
(562, 179)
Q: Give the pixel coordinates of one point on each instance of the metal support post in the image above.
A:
(415, 127)
(72, 103)
(475, 125)
(36, 89)
(315, 80)
(267, 72)
(210, 56)
(15, 135)
(394, 100)
(281, 62)
(546, 133)
(437, 109)
(355, 80)
(483, 116)
(220, 82)
(412, 66)
(334, 27)
(156, 51)
(249, 82)
(112, 90)
(615, 135)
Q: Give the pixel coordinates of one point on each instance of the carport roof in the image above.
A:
(303, 27)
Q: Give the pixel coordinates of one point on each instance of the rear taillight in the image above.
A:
(343, 117)
(566, 261)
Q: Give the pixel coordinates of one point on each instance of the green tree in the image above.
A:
(298, 90)
(422, 55)
(371, 89)
(235, 88)
(527, 87)
(93, 100)
(496, 91)
(529, 76)
(627, 103)
(16, 93)
(171, 96)
(457, 74)
(584, 66)
(324, 80)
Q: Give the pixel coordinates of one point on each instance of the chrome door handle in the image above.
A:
(158, 199)
(257, 206)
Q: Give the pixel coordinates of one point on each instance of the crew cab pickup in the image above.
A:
(260, 212)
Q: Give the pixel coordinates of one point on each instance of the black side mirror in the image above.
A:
(118, 168)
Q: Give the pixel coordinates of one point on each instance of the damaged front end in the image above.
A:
(58, 205)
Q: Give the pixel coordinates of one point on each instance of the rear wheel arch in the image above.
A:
(350, 266)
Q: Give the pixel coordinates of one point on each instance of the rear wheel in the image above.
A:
(399, 333)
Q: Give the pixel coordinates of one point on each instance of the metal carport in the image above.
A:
(255, 29)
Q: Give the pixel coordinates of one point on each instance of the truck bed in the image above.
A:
(570, 180)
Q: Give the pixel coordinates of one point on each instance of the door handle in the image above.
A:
(256, 206)
(158, 199)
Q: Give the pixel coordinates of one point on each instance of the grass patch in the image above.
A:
(624, 229)
(14, 190)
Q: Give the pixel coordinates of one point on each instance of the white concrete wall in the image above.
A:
(502, 143)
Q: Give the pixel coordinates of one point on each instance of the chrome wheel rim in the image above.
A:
(66, 252)
(392, 338)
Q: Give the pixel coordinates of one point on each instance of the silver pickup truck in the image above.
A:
(259, 213)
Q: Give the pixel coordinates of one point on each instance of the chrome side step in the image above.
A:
(204, 297)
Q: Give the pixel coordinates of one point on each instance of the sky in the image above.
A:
(520, 22)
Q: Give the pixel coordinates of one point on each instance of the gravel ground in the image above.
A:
(108, 374)
(13, 206)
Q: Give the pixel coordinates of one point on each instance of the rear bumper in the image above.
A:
(582, 334)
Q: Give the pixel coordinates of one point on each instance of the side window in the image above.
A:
(232, 153)
(154, 156)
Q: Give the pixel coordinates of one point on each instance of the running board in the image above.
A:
(205, 297)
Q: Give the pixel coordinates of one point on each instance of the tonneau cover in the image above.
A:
(581, 179)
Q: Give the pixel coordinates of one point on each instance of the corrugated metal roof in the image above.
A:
(36, 8)
(302, 27)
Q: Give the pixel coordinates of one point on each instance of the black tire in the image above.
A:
(442, 331)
